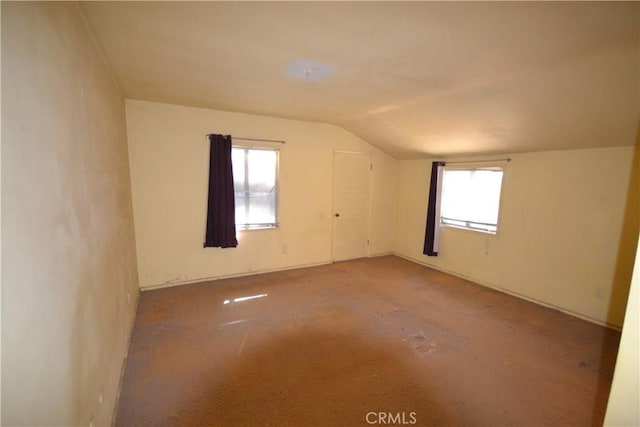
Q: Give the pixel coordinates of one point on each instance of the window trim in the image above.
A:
(469, 223)
(261, 226)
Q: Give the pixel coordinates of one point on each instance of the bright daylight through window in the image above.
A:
(471, 198)
(255, 181)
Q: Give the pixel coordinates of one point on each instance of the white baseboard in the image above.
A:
(380, 254)
(514, 294)
(230, 276)
(411, 259)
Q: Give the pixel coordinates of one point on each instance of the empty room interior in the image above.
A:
(320, 213)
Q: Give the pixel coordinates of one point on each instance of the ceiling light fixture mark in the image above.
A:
(309, 70)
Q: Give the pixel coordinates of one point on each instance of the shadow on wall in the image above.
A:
(623, 272)
(628, 242)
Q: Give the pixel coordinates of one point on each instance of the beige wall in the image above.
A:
(624, 408)
(169, 168)
(69, 278)
(560, 227)
(68, 261)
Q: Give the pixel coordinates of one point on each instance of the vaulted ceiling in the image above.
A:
(413, 78)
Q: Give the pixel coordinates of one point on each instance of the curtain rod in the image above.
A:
(278, 141)
(506, 159)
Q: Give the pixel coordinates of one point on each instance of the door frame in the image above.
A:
(370, 197)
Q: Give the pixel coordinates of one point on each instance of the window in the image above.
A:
(471, 198)
(255, 181)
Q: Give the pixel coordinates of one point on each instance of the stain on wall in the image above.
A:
(69, 276)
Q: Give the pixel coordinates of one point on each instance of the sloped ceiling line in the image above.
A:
(415, 79)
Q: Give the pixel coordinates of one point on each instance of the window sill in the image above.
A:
(257, 228)
(476, 230)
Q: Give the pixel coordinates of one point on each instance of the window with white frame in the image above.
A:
(255, 181)
(471, 198)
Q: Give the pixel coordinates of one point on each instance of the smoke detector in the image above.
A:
(308, 70)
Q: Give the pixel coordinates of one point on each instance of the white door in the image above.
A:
(351, 193)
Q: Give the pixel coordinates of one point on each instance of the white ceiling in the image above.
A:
(415, 79)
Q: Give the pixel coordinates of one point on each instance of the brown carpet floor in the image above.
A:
(372, 341)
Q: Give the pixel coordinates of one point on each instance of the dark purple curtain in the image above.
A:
(433, 211)
(221, 209)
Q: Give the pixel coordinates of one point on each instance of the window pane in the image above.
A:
(485, 186)
(255, 185)
(237, 160)
(241, 210)
(454, 194)
(471, 198)
(262, 208)
(262, 170)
